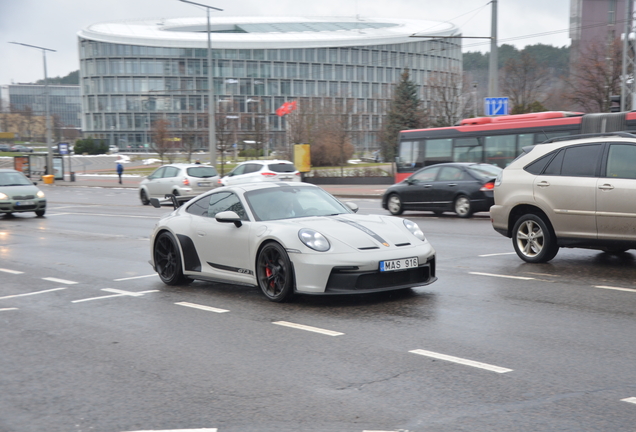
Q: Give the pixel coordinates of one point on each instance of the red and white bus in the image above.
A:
(498, 140)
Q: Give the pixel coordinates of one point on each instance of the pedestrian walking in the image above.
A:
(120, 170)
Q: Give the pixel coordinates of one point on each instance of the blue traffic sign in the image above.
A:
(496, 106)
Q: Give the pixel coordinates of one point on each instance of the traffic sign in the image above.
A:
(62, 148)
(496, 106)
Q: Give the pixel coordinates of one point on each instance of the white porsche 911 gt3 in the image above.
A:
(288, 238)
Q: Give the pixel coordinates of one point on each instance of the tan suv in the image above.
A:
(576, 191)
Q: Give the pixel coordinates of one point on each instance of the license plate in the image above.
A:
(398, 264)
(204, 184)
(285, 178)
(24, 203)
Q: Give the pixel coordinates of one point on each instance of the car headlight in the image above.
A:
(40, 194)
(314, 240)
(415, 230)
(3, 196)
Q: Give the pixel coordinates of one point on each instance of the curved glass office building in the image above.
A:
(136, 72)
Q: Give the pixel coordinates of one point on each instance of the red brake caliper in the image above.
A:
(268, 273)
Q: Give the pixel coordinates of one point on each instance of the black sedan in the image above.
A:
(463, 188)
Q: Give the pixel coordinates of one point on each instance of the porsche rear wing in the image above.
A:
(170, 199)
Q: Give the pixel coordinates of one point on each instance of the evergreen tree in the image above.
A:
(405, 112)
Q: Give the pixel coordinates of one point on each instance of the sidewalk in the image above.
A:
(132, 182)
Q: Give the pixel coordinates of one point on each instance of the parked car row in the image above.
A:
(15, 148)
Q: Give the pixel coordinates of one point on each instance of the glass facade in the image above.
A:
(125, 88)
(64, 101)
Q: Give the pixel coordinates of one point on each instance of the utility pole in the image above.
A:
(493, 69)
(628, 60)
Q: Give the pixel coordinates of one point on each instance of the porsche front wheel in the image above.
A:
(274, 273)
(168, 260)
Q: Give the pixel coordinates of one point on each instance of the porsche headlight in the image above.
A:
(415, 230)
(3, 196)
(314, 240)
(40, 194)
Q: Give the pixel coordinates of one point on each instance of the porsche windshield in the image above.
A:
(292, 202)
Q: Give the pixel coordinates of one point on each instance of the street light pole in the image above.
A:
(211, 104)
(49, 149)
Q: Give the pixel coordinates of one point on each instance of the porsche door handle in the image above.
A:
(201, 233)
(606, 187)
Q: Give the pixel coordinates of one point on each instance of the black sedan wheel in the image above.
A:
(533, 239)
(168, 260)
(463, 208)
(40, 213)
(394, 204)
(274, 273)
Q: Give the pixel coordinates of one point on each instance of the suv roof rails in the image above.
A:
(590, 135)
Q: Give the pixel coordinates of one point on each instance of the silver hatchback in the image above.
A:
(178, 179)
(575, 191)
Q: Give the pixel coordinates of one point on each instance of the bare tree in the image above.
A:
(225, 132)
(523, 82)
(451, 98)
(189, 133)
(332, 133)
(160, 139)
(595, 76)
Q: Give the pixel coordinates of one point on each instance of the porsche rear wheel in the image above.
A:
(168, 260)
(274, 273)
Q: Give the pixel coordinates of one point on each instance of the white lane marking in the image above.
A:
(630, 400)
(178, 430)
(11, 271)
(308, 328)
(112, 215)
(202, 307)
(496, 254)
(615, 288)
(459, 360)
(31, 293)
(8, 309)
(118, 293)
(135, 277)
(67, 282)
(502, 276)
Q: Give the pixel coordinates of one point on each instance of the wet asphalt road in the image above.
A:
(93, 341)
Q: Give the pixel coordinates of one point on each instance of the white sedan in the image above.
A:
(288, 238)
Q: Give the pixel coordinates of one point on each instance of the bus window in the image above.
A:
(411, 155)
(501, 149)
(468, 150)
(439, 150)
(524, 140)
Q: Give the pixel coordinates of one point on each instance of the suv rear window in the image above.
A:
(201, 172)
(281, 167)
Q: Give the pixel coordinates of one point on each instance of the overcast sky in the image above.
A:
(54, 23)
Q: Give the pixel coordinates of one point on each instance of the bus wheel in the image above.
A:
(394, 204)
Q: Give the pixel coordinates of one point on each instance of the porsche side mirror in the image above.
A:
(353, 206)
(229, 217)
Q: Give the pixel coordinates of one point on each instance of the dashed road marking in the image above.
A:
(308, 328)
(118, 293)
(31, 293)
(7, 309)
(630, 400)
(502, 276)
(179, 430)
(615, 288)
(462, 361)
(11, 271)
(56, 280)
(202, 307)
(135, 277)
(497, 254)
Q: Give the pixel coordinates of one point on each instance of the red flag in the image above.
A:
(286, 108)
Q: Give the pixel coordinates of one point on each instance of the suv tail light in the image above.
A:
(488, 186)
(267, 173)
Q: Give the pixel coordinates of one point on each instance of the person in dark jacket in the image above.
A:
(120, 170)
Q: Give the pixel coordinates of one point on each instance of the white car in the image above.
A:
(178, 179)
(288, 238)
(260, 171)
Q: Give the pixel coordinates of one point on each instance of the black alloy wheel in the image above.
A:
(167, 259)
(274, 273)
